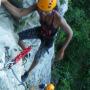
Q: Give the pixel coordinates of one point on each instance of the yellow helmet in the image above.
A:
(46, 5)
(50, 87)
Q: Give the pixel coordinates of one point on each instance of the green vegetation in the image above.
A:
(73, 72)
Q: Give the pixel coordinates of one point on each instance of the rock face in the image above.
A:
(10, 79)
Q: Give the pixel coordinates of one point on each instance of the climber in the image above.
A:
(50, 21)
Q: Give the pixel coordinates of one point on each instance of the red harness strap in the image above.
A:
(45, 33)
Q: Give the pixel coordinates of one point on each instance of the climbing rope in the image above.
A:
(9, 63)
(20, 82)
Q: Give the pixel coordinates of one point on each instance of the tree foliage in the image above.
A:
(73, 72)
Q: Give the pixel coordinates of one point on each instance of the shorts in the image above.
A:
(34, 33)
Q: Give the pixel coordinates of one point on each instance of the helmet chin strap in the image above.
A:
(46, 13)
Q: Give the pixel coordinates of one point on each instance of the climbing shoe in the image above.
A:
(24, 77)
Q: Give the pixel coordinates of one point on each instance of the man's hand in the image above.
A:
(60, 54)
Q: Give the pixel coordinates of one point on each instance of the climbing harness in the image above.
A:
(48, 31)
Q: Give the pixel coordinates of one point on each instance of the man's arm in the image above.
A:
(18, 12)
(68, 30)
(63, 24)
